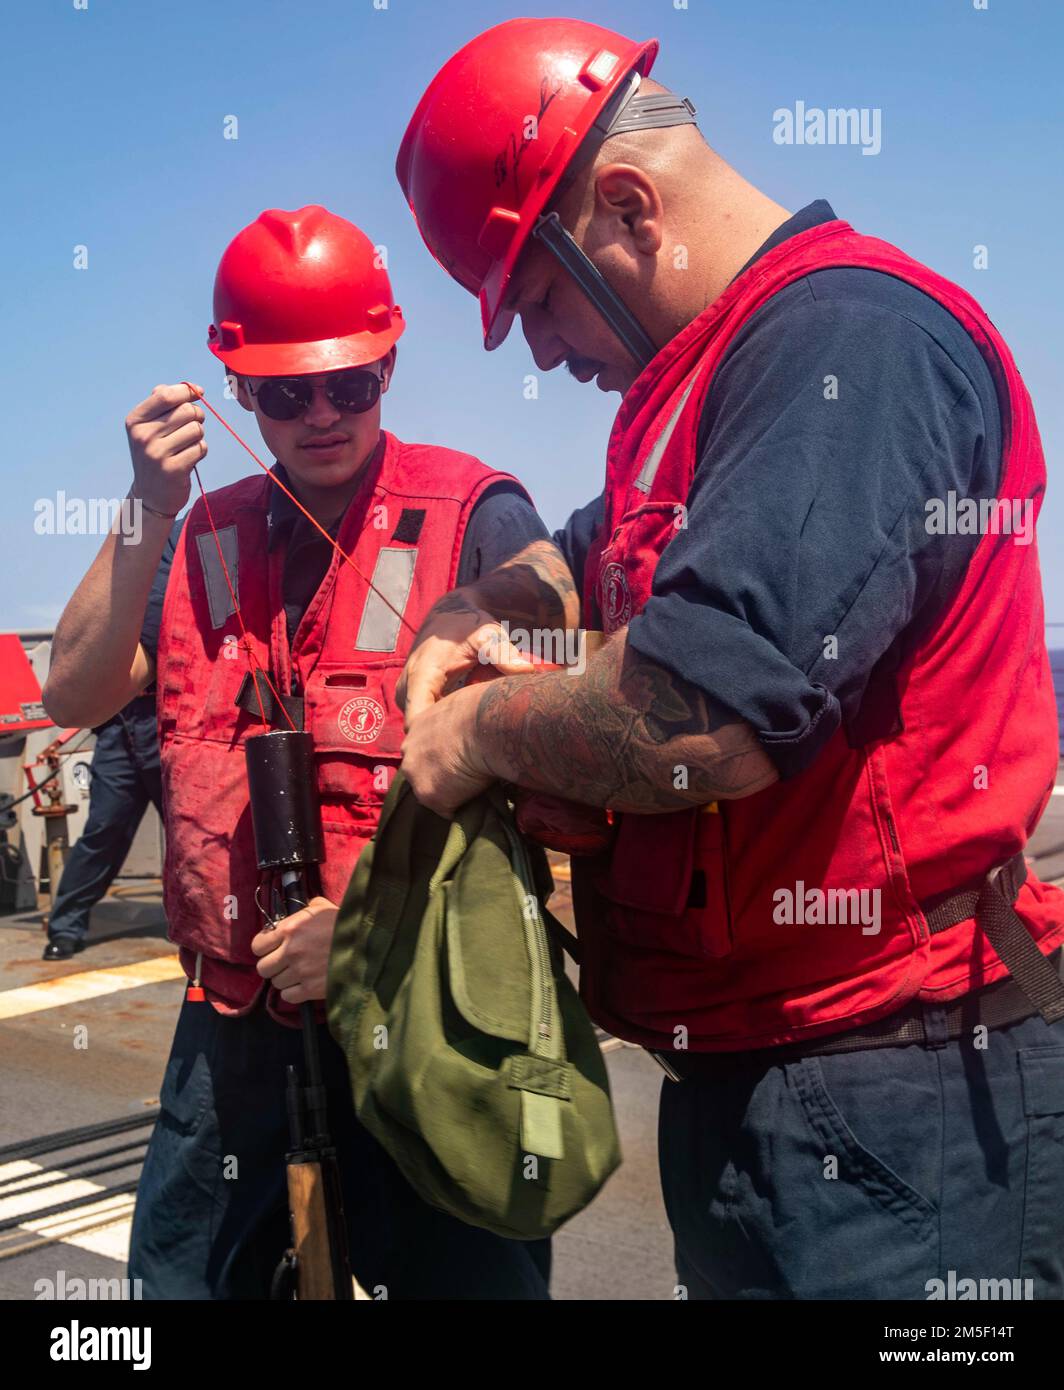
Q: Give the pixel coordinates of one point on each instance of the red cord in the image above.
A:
(292, 497)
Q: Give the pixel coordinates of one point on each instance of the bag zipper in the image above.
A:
(547, 1039)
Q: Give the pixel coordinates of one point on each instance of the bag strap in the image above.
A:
(564, 937)
(991, 906)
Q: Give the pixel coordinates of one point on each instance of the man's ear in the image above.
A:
(628, 194)
(239, 387)
(387, 367)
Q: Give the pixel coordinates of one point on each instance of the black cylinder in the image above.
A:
(285, 810)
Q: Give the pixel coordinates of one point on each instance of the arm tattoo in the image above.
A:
(619, 735)
(455, 602)
(532, 589)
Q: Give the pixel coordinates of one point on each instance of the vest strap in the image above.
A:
(1036, 986)
(991, 906)
(247, 701)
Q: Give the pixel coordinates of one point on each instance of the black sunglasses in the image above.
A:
(353, 391)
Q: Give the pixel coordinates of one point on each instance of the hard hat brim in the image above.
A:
(495, 320)
(305, 359)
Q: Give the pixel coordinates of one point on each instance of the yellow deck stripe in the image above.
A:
(89, 984)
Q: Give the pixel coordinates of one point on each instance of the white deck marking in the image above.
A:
(88, 984)
(108, 1221)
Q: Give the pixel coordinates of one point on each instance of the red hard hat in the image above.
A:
(477, 172)
(301, 292)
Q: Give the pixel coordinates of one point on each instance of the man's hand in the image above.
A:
(441, 760)
(166, 442)
(456, 638)
(97, 663)
(533, 590)
(295, 953)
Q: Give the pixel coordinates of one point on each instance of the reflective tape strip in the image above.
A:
(219, 599)
(393, 574)
(650, 464)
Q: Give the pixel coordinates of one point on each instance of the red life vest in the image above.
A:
(404, 529)
(911, 817)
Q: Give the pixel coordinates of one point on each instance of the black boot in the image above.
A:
(63, 947)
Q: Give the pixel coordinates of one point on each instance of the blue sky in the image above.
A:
(115, 141)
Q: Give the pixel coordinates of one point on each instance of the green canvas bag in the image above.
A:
(471, 1057)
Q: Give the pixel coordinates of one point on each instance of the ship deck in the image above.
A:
(124, 992)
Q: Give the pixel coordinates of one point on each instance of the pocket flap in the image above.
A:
(652, 862)
(350, 708)
(490, 970)
(1042, 1070)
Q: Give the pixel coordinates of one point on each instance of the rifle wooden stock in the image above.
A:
(286, 819)
(318, 1233)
